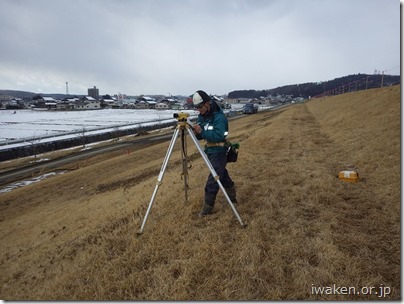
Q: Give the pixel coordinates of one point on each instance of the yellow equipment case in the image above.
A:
(349, 176)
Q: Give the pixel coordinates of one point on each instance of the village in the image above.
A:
(93, 101)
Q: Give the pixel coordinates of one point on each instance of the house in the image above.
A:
(152, 104)
(87, 103)
(88, 98)
(146, 99)
(51, 105)
(48, 99)
(71, 100)
(162, 106)
(80, 106)
(92, 105)
(65, 106)
(109, 103)
(169, 101)
(142, 105)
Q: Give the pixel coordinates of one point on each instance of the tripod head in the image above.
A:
(181, 116)
(183, 119)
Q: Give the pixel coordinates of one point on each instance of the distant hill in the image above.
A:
(336, 86)
(18, 94)
(29, 95)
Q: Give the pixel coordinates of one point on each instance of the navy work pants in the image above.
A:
(219, 162)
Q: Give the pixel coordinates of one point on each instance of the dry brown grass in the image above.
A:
(73, 237)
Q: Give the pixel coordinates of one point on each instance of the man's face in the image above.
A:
(204, 108)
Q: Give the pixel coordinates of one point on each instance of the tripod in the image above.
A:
(184, 125)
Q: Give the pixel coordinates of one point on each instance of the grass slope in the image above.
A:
(73, 237)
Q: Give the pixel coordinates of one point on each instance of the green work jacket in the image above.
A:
(214, 128)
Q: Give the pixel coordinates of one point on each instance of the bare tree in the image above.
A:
(116, 132)
(82, 133)
(34, 144)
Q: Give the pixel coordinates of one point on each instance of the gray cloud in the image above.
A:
(177, 47)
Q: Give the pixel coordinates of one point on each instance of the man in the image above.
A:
(212, 126)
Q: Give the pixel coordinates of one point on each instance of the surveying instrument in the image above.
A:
(184, 124)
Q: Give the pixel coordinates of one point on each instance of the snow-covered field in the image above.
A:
(22, 124)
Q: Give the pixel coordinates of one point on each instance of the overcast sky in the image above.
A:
(180, 46)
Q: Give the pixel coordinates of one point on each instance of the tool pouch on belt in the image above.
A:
(232, 151)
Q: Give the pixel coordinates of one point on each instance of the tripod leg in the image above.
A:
(184, 163)
(216, 177)
(160, 178)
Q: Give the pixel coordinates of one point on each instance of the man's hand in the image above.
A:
(197, 129)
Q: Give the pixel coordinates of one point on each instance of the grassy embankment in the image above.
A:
(73, 237)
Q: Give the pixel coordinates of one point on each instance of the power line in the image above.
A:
(391, 68)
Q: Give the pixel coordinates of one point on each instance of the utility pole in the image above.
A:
(382, 79)
(67, 88)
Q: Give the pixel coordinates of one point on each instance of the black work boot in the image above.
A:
(206, 210)
(208, 204)
(231, 192)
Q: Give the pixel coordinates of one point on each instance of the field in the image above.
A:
(26, 124)
(46, 126)
(73, 236)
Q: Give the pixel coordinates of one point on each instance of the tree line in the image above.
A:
(340, 85)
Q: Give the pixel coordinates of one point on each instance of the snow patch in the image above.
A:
(24, 183)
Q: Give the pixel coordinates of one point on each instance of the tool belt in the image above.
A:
(213, 144)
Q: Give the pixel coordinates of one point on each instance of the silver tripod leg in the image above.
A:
(160, 178)
(184, 163)
(214, 174)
